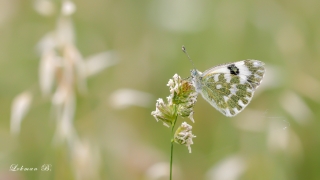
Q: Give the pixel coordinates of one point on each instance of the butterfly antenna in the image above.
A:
(185, 51)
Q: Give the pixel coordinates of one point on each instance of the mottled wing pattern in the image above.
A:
(229, 98)
(230, 87)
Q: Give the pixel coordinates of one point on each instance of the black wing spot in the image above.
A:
(233, 69)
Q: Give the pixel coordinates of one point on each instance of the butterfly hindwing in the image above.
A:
(256, 69)
(227, 94)
(230, 87)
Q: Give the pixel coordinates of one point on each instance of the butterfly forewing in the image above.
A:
(249, 70)
(230, 87)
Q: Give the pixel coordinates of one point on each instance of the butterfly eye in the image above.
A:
(192, 72)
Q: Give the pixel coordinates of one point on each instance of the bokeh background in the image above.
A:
(113, 59)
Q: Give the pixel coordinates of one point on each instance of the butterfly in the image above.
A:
(229, 87)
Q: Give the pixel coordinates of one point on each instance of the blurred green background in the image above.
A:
(276, 137)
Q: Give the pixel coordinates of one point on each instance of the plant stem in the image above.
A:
(171, 159)
(172, 141)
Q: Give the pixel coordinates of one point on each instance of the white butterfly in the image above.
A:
(229, 87)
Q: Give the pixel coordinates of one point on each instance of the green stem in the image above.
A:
(171, 159)
(172, 141)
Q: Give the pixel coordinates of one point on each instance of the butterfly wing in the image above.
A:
(230, 87)
(249, 70)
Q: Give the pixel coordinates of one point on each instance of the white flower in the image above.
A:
(160, 101)
(170, 83)
(180, 102)
(191, 116)
(174, 84)
(183, 135)
(169, 99)
(164, 112)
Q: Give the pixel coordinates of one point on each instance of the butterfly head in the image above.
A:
(194, 73)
